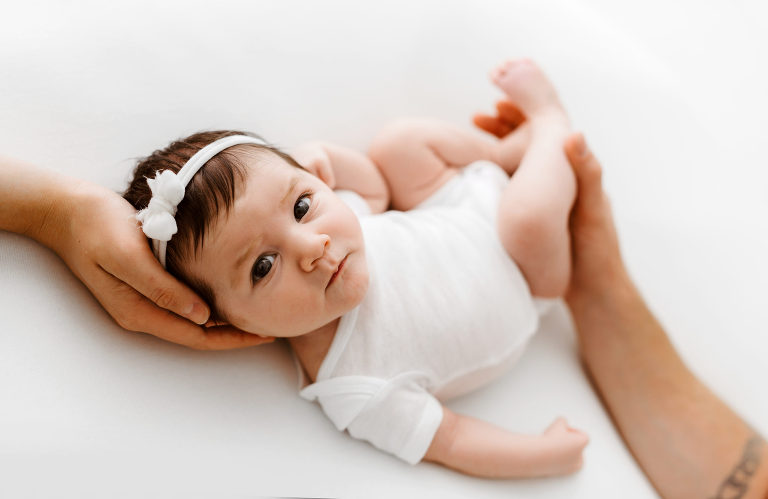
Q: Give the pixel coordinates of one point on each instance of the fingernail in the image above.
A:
(197, 312)
(580, 145)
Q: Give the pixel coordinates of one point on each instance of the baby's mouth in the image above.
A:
(338, 271)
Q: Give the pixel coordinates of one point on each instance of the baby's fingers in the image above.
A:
(559, 425)
(509, 113)
(492, 125)
(508, 118)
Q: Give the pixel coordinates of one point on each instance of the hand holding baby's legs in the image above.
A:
(534, 208)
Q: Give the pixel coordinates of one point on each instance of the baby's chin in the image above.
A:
(293, 329)
(329, 322)
(313, 326)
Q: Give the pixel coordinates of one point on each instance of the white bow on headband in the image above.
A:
(157, 219)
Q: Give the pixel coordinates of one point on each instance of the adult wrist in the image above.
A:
(611, 290)
(55, 215)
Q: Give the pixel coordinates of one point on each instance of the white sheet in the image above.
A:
(672, 97)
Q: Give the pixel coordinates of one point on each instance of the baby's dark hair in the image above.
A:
(211, 191)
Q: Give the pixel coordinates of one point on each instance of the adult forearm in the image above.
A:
(31, 198)
(688, 442)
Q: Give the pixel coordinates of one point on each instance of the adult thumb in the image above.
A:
(587, 169)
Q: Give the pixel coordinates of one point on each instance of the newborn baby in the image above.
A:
(387, 313)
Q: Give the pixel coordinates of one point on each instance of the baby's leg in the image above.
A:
(534, 208)
(417, 156)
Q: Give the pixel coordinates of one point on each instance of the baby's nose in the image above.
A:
(313, 251)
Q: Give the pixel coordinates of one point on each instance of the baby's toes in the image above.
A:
(495, 74)
(498, 73)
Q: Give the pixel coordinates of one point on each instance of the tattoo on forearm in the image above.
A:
(737, 483)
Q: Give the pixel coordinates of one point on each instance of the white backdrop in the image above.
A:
(671, 96)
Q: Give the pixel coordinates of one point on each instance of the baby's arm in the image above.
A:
(418, 155)
(344, 168)
(410, 159)
(479, 448)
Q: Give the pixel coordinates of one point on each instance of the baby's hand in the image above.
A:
(314, 158)
(564, 446)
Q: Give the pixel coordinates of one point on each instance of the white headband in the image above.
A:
(157, 219)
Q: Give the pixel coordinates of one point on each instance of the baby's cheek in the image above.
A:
(295, 315)
(242, 314)
(242, 322)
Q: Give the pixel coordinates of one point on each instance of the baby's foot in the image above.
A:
(527, 86)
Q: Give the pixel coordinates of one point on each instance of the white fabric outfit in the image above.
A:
(446, 311)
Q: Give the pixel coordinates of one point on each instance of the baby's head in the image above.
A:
(269, 246)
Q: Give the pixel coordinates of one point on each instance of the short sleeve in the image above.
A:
(397, 416)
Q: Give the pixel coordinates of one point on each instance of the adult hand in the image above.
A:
(95, 232)
(643, 382)
(597, 263)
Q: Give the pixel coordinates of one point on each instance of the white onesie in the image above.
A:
(446, 311)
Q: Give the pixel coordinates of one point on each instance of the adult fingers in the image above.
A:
(141, 271)
(135, 312)
(151, 319)
(509, 113)
(492, 125)
(587, 170)
(228, 337)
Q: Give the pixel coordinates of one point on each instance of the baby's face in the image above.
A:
(289, 255)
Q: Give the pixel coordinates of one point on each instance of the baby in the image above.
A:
(387, 313)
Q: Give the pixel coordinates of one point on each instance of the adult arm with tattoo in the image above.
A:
(688, 442)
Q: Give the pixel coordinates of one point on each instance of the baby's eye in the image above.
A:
(302, 206)
(262, 267)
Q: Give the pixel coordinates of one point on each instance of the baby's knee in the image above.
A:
(539, 246)
(524, 228)
(549, 286)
